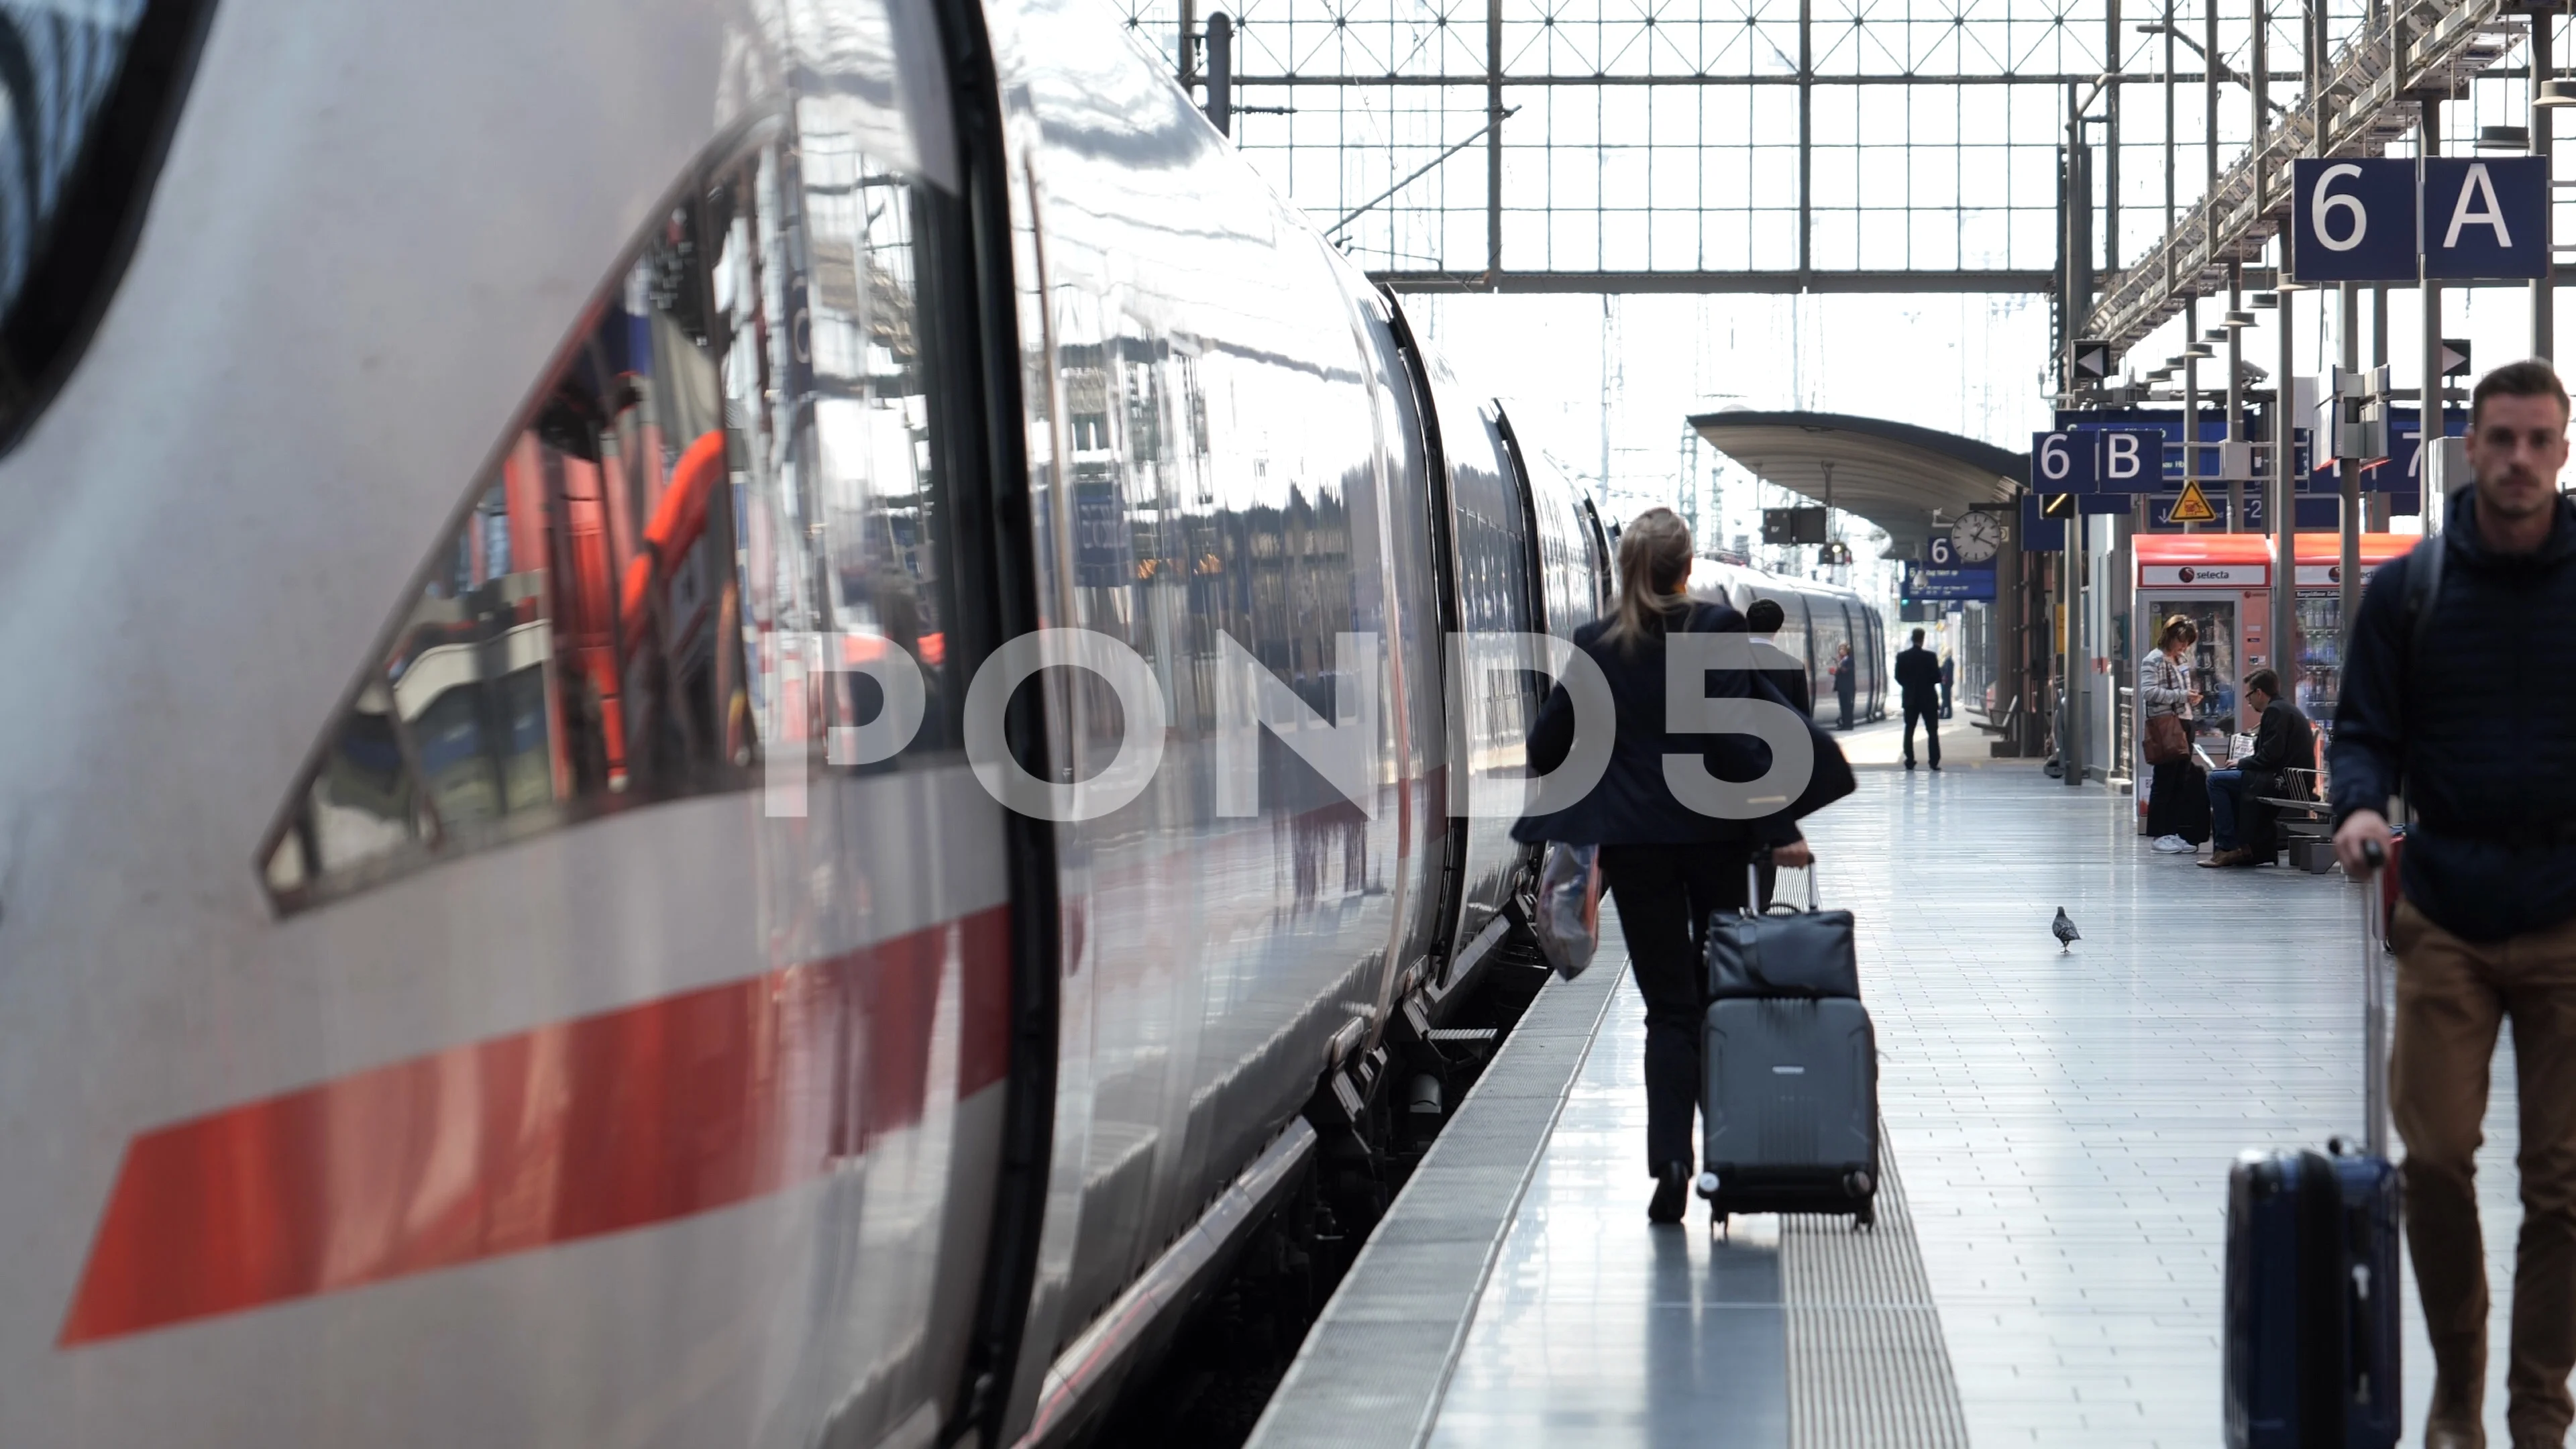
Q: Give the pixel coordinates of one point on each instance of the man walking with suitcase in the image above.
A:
(2460, 687)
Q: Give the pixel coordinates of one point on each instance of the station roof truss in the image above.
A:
(2365, 101)
(1645, 146)
(1894, 474)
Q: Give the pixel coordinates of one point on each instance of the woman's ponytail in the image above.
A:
(1654, 560)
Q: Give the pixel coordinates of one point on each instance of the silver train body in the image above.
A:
(468, 973)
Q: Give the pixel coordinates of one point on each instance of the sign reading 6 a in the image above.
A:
(2377, 220)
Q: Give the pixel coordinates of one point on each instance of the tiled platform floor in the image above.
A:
(2063, 1123)
(1597, 1329)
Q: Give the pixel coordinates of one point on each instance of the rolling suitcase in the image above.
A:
(1789, 1104)
(2312, 1272)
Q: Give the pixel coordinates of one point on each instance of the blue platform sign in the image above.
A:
(2316, 514)
(2352, 220)
(2485, 220)
(2091, 459)
(2402, 473)
(1924, 583)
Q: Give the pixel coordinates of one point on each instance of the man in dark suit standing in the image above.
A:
(1918, 677)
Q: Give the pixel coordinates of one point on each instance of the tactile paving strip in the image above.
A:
(1868, 1368)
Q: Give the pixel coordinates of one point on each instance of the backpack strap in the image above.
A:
(2423, 593)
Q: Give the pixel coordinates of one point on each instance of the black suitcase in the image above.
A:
(2312, 1273)
(1789, 1106)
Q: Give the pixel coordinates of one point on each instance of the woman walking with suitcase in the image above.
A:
(1668, 866)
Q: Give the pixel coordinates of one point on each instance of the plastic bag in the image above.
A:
(1569, 907)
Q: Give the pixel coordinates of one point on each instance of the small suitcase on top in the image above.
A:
(1782, 952)
(1789, 1110)
(2311, 1318)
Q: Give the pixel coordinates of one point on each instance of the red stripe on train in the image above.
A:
(595, 1125)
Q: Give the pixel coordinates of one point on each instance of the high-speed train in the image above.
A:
(503, 939)
(472, 970)
(1817, 617)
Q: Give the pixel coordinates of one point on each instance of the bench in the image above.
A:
(1997, 724)
(2303, 825)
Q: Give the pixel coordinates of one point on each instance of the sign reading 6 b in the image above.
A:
(2352, 220)
(2097, 460)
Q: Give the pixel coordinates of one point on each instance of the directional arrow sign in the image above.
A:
(2194, 507)
(2455, 357)
(2093, 359)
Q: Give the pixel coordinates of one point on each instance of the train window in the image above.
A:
(90, 90)
(723, 501)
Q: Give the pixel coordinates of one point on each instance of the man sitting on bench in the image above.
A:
(2240, 824)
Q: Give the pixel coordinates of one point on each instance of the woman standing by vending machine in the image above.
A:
(2177, 793)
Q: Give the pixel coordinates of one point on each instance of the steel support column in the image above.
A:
(1493, 142)
(2348, 592)
(2284, 510)
(1806, 137)
(2544, 290)
(2111, 55)
(2284, 507)
(2235, 400)
(2431, 423)
(2376, 506)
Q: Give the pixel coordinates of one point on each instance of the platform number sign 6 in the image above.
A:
(2322, 205)
(2352, 220)
(1939, 555)
(2053, 463)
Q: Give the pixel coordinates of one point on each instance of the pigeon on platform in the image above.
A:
(2064, 930)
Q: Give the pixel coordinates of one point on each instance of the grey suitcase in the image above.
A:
(1789, 1109)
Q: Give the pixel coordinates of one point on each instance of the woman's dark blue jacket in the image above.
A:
(1631, 804)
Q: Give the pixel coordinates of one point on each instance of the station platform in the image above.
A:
(2059, 1126)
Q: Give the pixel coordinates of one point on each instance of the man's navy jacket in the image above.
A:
(2478, 722)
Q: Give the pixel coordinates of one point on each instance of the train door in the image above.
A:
(1829, 632)
(1605, 563)
(1492, 565)
(1414, 715)
(1881, 663)
(1446, 862)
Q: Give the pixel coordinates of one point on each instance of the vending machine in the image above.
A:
(2222, 582)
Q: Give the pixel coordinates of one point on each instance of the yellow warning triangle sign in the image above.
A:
(2194, 506)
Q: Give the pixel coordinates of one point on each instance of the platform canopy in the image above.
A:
(1896, 475)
